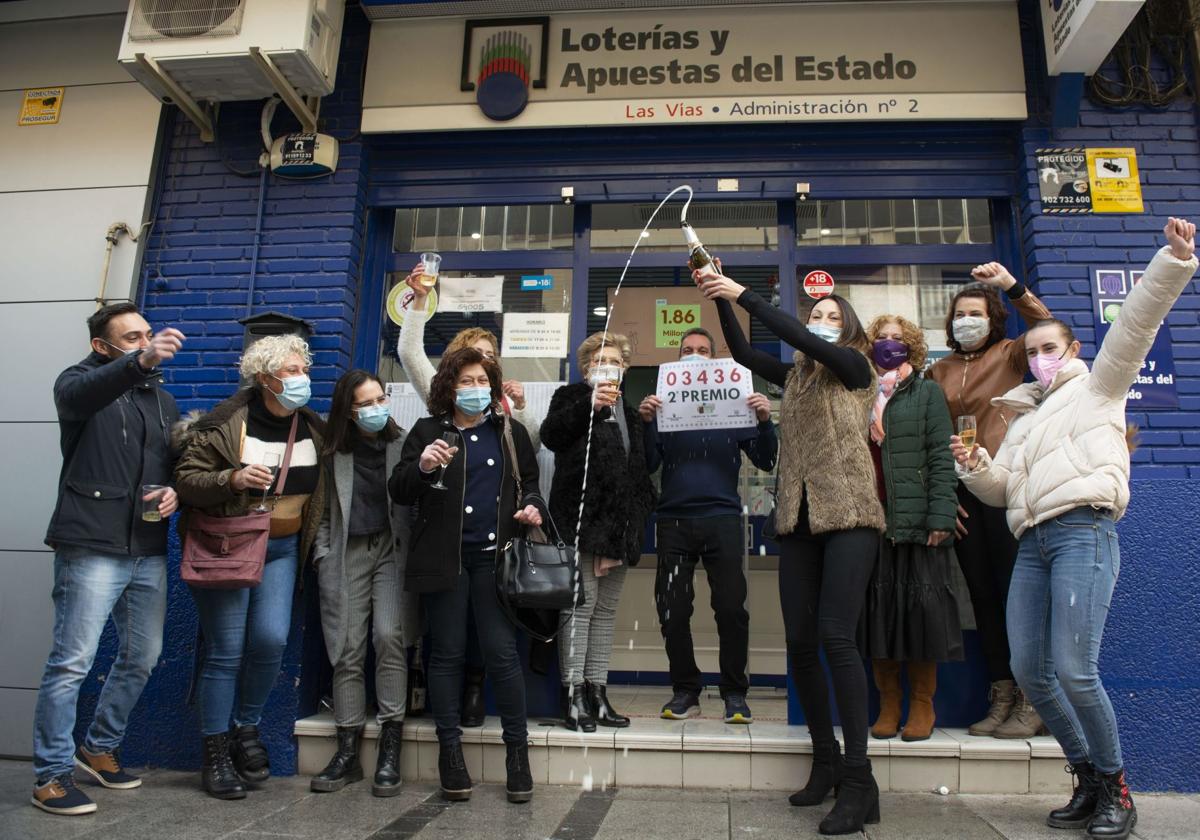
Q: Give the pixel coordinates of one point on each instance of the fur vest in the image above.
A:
(824, 453)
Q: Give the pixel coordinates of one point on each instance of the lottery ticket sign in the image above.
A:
(704, 394)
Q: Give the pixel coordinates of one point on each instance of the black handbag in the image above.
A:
(537, 569)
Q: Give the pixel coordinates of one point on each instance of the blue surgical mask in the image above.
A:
(296, 391)
(472, 401)
(830, 334)
(372, 418)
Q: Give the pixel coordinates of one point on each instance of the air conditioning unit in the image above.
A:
(214, 50)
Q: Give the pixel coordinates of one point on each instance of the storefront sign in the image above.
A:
(1155, 383)
(536, 336)
(400, 299)
(671, 321)
(772, 63)
(41, 106)
(818, 284)
(1080, 33)
(1089, 181)
(704, 394)
(471, 294)
(536, 282)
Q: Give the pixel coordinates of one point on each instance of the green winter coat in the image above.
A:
(918, 470)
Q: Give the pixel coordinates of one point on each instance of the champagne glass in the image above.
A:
(966, 431)
(609, 375)
(450, 439)
(270, 460)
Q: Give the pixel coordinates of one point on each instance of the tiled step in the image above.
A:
(700, 754)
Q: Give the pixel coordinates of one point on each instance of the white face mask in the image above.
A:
(970, 330)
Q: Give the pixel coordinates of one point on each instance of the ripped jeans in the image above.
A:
(1061, 589)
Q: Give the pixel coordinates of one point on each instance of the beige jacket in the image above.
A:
(1067, 448)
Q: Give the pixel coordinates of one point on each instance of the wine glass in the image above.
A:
(609, 375)
(966, 431)
(270, 460)
(450, 439)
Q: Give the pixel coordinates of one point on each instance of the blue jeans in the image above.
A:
(474, 590)
(87, 588)
(1058, 602)
(245, 632)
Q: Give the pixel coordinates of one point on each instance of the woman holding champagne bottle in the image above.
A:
(829, 519)
(1062, 474)
(984, 363)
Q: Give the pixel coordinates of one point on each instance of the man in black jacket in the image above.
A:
(109, 558)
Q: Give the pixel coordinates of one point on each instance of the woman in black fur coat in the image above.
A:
(620, 497)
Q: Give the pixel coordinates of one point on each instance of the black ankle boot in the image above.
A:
(857, 802)
(520, 781)
(248, 754)
(346, 765)
(1115, 814)
(219, 777)
(387, 760)
(577, 715)
(601, 709)
(473, 710)
(452, 769)
(1078, 812)
(825, 776)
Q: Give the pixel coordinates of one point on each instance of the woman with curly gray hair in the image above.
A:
(227, 468)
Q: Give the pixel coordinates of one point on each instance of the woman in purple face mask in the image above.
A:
(1063, 474)
(912, 615)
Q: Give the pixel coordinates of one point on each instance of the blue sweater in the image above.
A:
(700, 469)
(485, 465)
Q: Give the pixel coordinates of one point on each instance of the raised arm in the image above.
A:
(80, 392)
(765, 365)
(567, 418)
(411, 349)
(1130, 337)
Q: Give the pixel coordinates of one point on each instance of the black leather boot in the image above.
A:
(577, 716)
(601, 709)
(1078, 812)
(387, 759)
(1115, 814)
(473, 710)
(452, 769)
(346, 765)
(219, 776)
(857, 802)
(248, 754)
(520, 781)
(825, 776)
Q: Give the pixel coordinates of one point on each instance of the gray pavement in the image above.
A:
(170, 806)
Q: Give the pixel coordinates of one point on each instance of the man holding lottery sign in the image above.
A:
(700, 513)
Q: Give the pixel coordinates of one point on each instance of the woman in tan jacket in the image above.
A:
(829, 520)
(984, 364)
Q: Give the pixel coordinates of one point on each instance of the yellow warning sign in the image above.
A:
(1113, 174)
(41, 106)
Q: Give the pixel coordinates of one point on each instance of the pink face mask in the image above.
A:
(1046, 367)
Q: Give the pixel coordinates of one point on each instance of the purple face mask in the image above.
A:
(889, 354)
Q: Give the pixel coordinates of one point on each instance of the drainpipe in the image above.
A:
(262, 200)
(111, 236)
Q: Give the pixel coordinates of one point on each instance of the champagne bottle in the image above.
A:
(698, 257)
(416, 684)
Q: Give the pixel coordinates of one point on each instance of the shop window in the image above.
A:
(516, 227)
(908, 221)
(920, 293)
(723, 225)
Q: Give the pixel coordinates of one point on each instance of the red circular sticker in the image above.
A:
(818, 284)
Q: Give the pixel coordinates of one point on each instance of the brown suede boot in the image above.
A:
(1001, 696)
(887, 680)
(922, 683)
(1024, 722)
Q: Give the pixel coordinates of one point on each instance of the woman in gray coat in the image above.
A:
(360, 551)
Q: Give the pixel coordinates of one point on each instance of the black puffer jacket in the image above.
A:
(620, 496)
(114, 424)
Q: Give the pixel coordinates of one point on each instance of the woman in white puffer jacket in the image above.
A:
(1063, 474)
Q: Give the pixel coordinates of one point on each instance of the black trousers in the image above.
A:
(986, 556)
(823, 582)
(717, 542)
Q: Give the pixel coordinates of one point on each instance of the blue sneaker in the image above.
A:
(60, 796)
(736, 710)
(105, 769)
(682, 706)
